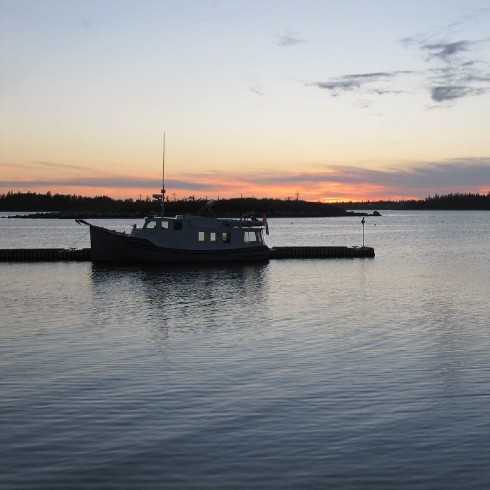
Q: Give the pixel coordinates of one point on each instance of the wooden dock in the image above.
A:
(283, 253)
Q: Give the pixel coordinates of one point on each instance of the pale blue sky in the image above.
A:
(331, 99)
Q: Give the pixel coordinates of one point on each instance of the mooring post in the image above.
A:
(363, 221)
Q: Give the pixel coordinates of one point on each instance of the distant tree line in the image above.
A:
(68, 206)
(72, 206)
(276, 207)
(31, 201)
(453, 201)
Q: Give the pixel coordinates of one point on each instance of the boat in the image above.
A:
(182, 238)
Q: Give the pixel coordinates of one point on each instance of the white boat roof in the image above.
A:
(209, 220)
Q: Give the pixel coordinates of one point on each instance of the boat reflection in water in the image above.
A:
(183, 297)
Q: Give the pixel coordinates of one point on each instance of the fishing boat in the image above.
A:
(182, 238)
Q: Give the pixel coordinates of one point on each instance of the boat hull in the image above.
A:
(113, 246)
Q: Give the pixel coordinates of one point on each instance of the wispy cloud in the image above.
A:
(119, 182)
(290, 38)
(65, 166)
(446, 51)
(450, 92)
(256, 90)
(372, 82)
(456, 69)
(452, 70)
(44, 164)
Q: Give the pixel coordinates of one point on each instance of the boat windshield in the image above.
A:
(152, 225)
(253, 236)
(156, 223)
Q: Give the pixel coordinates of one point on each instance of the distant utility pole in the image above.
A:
(163, 177)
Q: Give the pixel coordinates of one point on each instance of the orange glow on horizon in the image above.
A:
(341, 195)
(308, 187)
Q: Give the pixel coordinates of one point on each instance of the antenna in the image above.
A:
(163, 177)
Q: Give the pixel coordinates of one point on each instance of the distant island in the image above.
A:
(453, 201)
(72, 206)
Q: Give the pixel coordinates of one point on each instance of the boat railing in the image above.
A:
(241, 223)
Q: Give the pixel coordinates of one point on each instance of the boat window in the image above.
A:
(152, 225)
(225, 237)
(202, 236)
(165, 225)
(213, 237)
(177, 225)
(250, 237)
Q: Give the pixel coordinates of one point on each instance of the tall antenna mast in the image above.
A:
(163, 177)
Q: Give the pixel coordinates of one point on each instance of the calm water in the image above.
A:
(302, 374)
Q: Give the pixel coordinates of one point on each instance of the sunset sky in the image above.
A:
(320, 99)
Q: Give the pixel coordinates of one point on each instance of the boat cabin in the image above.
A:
(200, 232)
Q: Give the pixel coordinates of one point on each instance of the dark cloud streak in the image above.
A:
(457, 172)
(409, 179)
(61, 165)
(105, 182)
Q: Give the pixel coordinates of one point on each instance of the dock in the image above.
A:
(44, 254)
(321, 252)
(280, 253)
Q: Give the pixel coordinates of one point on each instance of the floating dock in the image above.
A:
(69, 254)
(321, 252)
(44, 254)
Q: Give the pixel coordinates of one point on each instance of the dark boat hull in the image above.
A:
(108, 245)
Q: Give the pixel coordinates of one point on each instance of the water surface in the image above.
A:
(354, 373)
